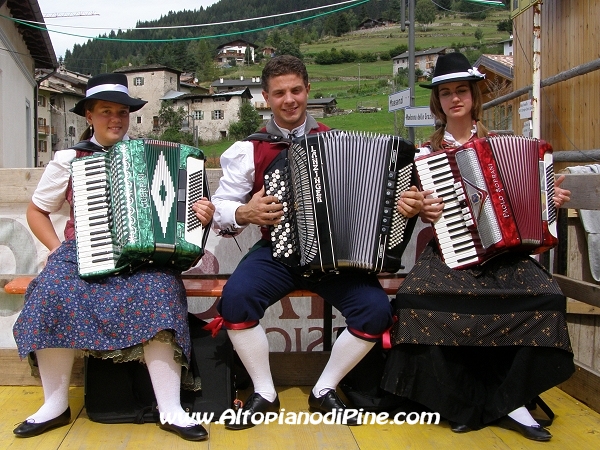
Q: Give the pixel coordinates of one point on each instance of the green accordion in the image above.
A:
(133, 207)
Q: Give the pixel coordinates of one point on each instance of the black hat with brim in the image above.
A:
(453, 67)
(110, 87)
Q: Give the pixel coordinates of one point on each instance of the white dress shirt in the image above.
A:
(237, 181)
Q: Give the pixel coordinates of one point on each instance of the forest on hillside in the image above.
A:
(192, 49)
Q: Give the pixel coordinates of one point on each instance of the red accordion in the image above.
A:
(497, 194)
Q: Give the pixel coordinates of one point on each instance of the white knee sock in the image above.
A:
(165, 374)
(252, 347)
(347, 351)
(522, 416)
(55, 366)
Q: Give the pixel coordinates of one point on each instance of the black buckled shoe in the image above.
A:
(30, 429)
(459, 427)
(193, 433)
(254, 404)
(327, 403)
(535, 433)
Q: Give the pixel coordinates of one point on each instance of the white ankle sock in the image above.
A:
(252, 347)
(522, 416)
(346, 352)
(55, 366)
(165, 374)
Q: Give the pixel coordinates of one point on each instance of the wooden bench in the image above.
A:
(284, 365)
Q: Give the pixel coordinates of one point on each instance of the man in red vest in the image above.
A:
(260, 281)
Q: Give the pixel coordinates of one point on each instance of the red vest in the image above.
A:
(264, 153)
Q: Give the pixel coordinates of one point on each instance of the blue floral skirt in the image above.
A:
(107, 314)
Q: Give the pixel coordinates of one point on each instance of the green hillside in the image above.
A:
(370, 84)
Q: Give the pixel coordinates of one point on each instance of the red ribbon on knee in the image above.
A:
(386, 337)
(218, 322)
(214, 326)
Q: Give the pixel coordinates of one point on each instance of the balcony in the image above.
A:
(44, 129)
(261, 105)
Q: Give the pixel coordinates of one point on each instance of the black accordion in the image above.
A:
(339, 191)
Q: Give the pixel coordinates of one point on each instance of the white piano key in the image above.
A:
(105, 266)
(454, 260)
(446, 238)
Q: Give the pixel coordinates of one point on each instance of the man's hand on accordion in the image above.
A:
(561, 196)
(410, 202)
(204, 210)
(260, 210)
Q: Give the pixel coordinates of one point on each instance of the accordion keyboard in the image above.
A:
(456, 241)
(91, 204)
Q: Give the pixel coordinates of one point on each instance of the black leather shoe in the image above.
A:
(254, 404)
(30, 429)
(535, 433)
(327, 403)
(193, 433)
(459, 427)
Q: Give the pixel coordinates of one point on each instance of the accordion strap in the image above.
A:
(88, 146)
(268, 137)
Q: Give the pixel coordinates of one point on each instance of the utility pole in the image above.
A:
(411, 53)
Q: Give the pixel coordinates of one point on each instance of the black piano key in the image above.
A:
(106, 252)
(97, 224)
(101, 244)
(94, 173)
(95, 196)
(95, 188)
(106, 231)
(99, 260)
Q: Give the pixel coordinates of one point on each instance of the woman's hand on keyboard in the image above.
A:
(432, 207)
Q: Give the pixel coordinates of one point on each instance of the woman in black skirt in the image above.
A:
(476, 345)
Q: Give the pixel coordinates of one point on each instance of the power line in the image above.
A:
(229, 22)
(69, 14)
(233, 33)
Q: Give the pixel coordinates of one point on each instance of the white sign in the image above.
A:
(399, 100)
(527, 129)
(525, 109)
(418, 117)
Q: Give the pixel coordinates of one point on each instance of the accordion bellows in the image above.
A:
(339, 191)
(132, 207)
(497, 194)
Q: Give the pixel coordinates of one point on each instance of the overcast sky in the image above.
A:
(113, 14)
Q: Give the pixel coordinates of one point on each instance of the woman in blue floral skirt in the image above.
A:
(136, 316)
